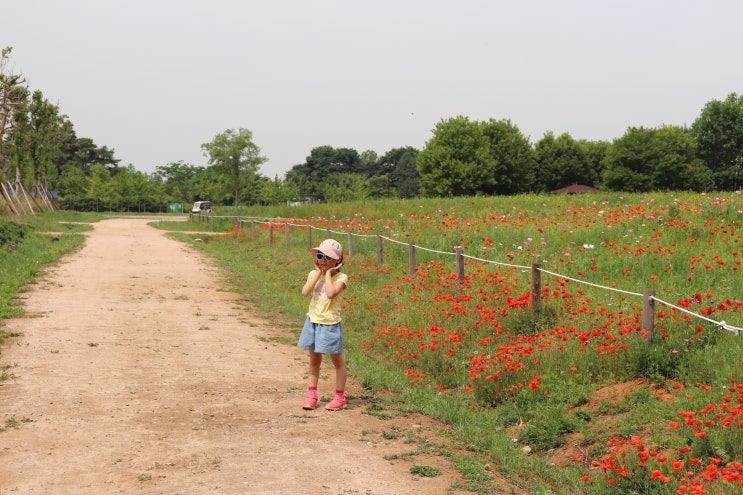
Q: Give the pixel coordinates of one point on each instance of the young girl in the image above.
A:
(322, 332)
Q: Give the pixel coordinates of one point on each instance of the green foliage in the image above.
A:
(646, 160)
(237, 157)
(457, 160)
(514, 155)
(23, 252)
(425, 471)
(562, 162)
(344, 187)
(179, 181)
(718, 132)
(632, 241)
(11, 234)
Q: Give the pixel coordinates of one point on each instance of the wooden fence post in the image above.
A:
(411, 259)
(536, 286)
(252, 229)
(350, 244)
(239, 223)
(270, 232)
(380, 257)
(211, 216)
(648, 314)
(286, 233)
(460, 264)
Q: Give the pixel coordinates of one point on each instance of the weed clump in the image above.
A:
(11, 234)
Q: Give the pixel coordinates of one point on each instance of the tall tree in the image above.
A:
(457, 160)
(277, 191)
(99, 189)
(514, 155)
(718, 132)
(72, 188)
(345, 187)
(178, 180)
(13, 104)
(405, 178)
(322, 162)
(595, 152)
(562, 162)
(646, 160)
(235, 155)
(41, 133)
(398, 164)
(368, 163)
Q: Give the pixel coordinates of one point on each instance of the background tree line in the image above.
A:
(40, 151)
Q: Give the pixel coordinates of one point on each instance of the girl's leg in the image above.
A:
(314, 369)
(341, 373)
(313, 376)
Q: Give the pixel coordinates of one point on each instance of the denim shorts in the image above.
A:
(324, 339)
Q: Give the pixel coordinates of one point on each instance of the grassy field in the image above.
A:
(474, 354)
(575, 384)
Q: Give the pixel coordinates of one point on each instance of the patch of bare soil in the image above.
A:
(575, 449)
(138, 371)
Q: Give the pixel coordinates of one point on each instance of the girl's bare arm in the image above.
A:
(312, 279)
(333, 289)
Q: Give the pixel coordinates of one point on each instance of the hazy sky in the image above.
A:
(154, 79)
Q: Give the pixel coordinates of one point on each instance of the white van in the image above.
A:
(202, 207)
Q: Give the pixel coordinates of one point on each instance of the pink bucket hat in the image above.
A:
(329, 247)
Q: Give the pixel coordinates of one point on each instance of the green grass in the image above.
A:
(680, 245)
(634, 251)
(26, 248)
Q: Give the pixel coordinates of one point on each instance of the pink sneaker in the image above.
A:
(309, 403)
(338, 402)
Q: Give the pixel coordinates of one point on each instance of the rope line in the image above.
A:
(496, 262)
(720, 324)
(591, 284)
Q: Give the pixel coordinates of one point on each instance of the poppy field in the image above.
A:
(473, 351)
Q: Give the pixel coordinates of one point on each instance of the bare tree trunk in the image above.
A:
(8, 197)
(20, 194)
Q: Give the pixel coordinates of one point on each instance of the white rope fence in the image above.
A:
(460, 255)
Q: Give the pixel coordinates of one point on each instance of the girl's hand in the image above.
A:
(316, 262)
(334, 269)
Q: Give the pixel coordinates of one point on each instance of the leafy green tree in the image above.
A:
(143, 194)
(122, 188)
(86, 154)
(278, 191)
(515, 160)
(13, 107)
(344, 187)
(99, 190)
(561, 162)
(38, 143)
(457, 160)
(322, 162)
(718, 132)
(379, 186)
(595, 152)
(298, 183)
(399, 164)
(236, 157)
(367, 165)
(646, 160)
(178, 180)
(71, 187)
(406, 178)
(677, 167)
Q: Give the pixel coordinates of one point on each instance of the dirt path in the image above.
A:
(134, 373)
